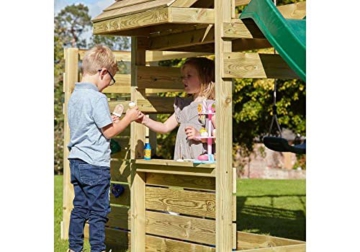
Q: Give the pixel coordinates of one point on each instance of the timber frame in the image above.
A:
(190, 27)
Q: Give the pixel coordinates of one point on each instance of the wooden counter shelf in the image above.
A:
(174, 167)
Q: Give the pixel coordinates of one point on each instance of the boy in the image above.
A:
(91, 128)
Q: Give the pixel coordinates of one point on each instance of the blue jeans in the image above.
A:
(91, 202)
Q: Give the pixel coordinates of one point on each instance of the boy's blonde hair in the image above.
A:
(206, 70)
(98, 57)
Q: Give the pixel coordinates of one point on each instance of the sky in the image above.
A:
(95, 6)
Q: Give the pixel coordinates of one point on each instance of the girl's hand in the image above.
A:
(134, 114)
(191, 133)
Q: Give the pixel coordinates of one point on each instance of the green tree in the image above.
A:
(58, 103)
(118, 43)
(72, 23)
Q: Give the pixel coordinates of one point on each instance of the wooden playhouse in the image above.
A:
(203, 194)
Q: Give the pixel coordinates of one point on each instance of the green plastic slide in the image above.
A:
(287, 36)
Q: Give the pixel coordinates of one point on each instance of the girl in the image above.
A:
(198, 76)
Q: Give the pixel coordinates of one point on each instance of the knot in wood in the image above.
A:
(228, 100)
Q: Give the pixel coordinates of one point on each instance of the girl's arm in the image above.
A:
(160, 127)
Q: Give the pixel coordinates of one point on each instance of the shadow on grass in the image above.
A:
(271, 220)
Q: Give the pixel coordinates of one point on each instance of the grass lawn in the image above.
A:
(271, 207)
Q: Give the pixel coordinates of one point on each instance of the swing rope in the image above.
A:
(278, 143)
(274, 110)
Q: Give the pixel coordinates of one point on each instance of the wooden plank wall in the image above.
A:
(174, 208)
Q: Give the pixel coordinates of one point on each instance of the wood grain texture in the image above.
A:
(137, 20)
(194, 203)
(157, 105)
(180, 227)
(223, 103)
(265, 243)
(189, 182)
(138, 212)
(253, 65)
(178, 40)
(157, 244)
(113, 12)
(70, 77)
(159, 77)
(126, 3)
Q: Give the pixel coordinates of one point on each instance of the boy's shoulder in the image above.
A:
(87, 91)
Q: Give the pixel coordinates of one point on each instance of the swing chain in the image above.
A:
(274, 108)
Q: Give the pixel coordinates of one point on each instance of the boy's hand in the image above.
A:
(134, 114)
(115, 118)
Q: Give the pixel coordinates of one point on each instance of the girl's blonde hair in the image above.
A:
(98, 57)
(206, 70)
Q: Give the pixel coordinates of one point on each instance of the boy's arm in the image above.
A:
(119, 126)
(160, 127)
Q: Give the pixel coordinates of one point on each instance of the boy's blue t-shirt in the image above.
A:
(88, 112)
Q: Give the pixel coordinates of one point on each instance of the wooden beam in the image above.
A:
(114, 12)
(180, 227)
(223, 102)
(165, 166)
(125, 3)
(179, 40)
(138, 212)
(257, 242)
(159, 77)
(188, 202)
(191, 15)
(70, 77)
(144, 19)
(241, 2)
(156, 105)
(137, 130)
(237, 29)
(154, 243)
(192, 182)
(166, 55)
(153, 17)
(253, 65)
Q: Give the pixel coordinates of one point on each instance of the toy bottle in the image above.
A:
(147, 149)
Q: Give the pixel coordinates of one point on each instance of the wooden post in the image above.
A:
(223, 105)
(71, 76)
(137, 139)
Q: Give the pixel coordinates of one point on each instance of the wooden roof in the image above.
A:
(181, 25)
